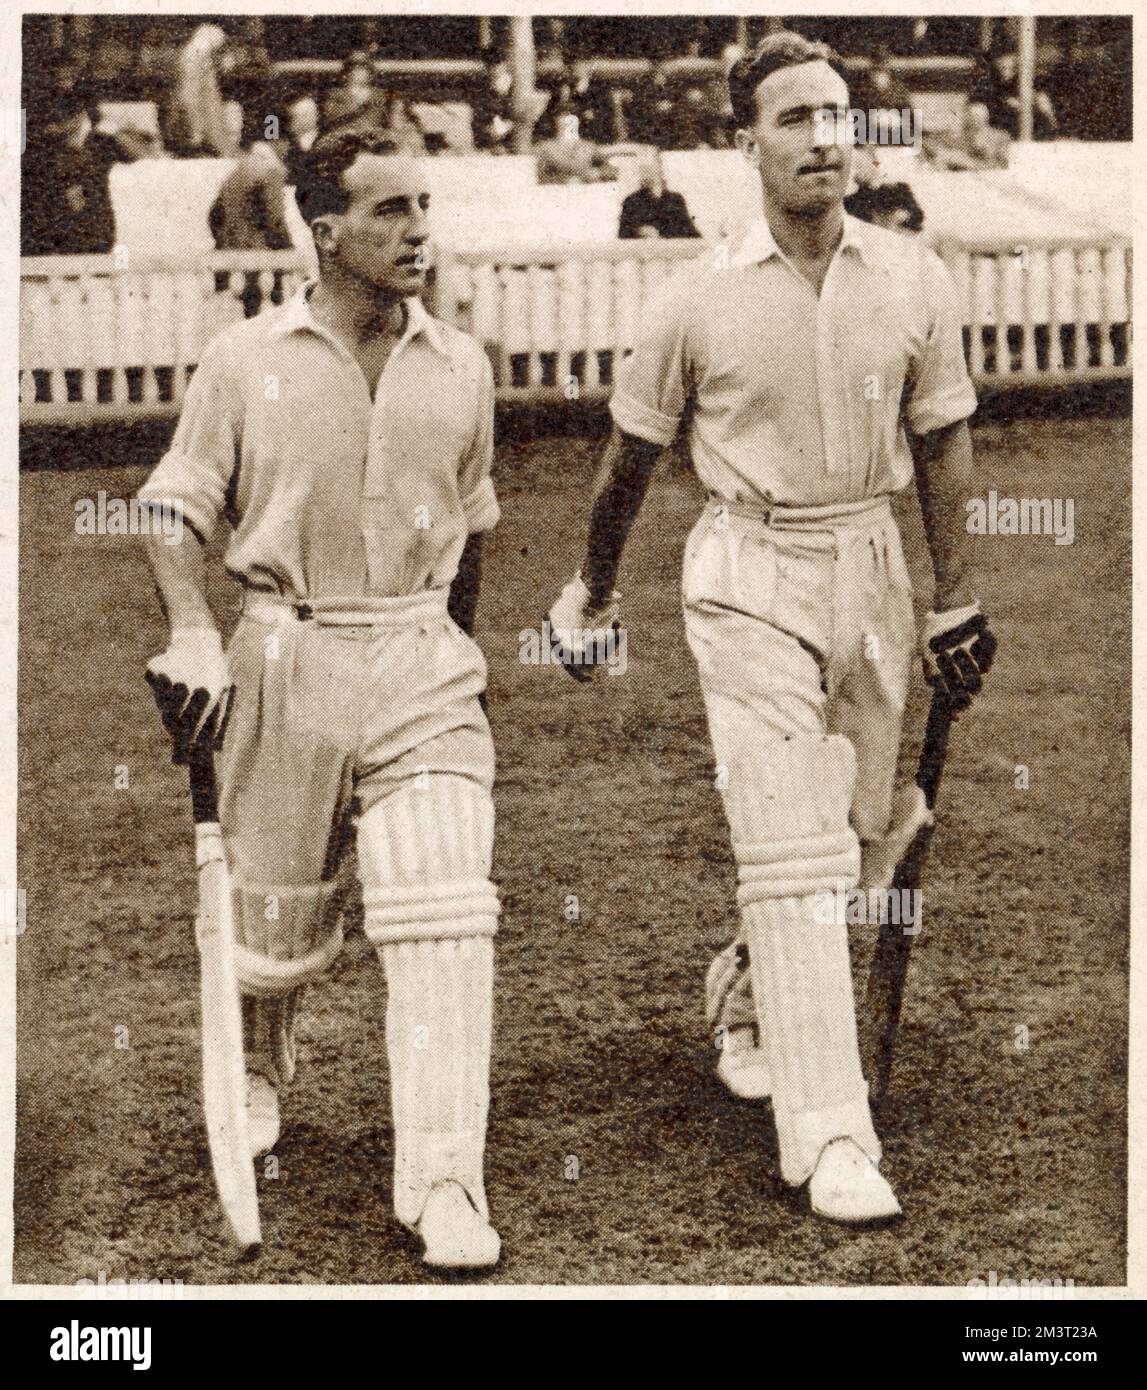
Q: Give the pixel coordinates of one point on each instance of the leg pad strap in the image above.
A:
(431, 912)
(797, 868)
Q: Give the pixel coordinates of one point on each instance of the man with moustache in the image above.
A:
(795, 367)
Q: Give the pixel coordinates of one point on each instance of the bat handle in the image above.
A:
(201, 774)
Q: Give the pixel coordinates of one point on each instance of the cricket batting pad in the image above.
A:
(431, 913)
(881, 857)
(793, 841)
(288, 934)
(269, 1036)
(729, 989)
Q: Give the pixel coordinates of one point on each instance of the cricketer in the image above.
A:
(794, 367)
(347, 437)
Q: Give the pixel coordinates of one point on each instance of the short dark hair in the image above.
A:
(882, 199)
(781, 50)
(320, 187)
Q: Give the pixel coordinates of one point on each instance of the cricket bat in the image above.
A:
(894, 943)
(224, 1068)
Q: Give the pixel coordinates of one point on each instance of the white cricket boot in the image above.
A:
(455, 1235)
(269, 1044)
(262, 1114)
(847, 1186)
(742, 1065)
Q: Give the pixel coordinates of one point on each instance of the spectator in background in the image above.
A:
(552, 42)
(880, 89)
(890, 205)
(66, 205)
(244, 64)
(401, 125)
(249, 212)
(978, 145)
(652, 210)
(493, 112)
(567, 158)
(997, 87)
(654, 115)
(695, 118)
(195, 120)
(355, 102)
(302, 132)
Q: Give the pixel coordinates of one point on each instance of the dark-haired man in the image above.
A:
(790, 363)
(348, 437)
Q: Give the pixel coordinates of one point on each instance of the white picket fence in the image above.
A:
(99, 341)
(103, 342)
(1048, 312)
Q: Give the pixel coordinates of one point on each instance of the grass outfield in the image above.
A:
(1006, 1129)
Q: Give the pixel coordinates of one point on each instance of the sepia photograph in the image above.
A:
(575, 654)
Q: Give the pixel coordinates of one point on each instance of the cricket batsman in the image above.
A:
(347, 437)
(795, 365)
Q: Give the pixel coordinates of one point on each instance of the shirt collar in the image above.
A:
(759, 244)
(296, 317)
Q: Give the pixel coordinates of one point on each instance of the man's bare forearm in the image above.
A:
(181, 577)
(463, 601)
(619, 490)
(943, 479)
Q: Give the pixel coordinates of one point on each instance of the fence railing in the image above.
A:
(102, 341)
(1051, 312)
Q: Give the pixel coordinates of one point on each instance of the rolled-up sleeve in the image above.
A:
(653, 385)
(475, 484)
(942, 391)
(194, 475)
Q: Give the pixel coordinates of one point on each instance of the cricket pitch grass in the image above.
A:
(614, 1155)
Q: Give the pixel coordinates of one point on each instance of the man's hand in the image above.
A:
(582, 636)
(958, 650)
(192, 688)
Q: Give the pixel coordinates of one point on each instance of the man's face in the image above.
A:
(653, 176)
(799, 173)
(976, 117)
(382, 237)
(303, 117)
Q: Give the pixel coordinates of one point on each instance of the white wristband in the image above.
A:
(948, 619)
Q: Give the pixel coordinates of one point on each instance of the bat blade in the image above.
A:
(889, 965)
(224, 1069)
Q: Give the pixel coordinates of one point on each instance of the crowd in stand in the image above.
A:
(217, 93)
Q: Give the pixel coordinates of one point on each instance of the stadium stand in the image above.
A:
(537, 270)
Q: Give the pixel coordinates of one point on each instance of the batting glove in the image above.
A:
(192, 688)
(579, 633)
(958, 650)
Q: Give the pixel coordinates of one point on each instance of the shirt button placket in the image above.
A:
(829, 378)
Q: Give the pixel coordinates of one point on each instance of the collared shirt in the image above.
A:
(332, 495)
(792, 397)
